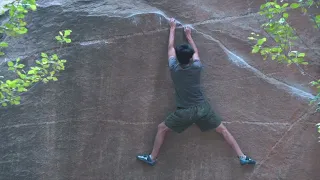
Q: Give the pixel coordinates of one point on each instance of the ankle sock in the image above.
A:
(243, 157)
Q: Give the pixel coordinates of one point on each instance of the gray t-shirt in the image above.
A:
(186, 80)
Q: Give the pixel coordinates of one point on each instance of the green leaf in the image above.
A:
(60, 33)
(4, 104)
(55, 57)
(317, 18)
(21, 89)
(262, 6)
(305, 63)
(261, 41)
(282, 20)
(44, 61)
(58, 38)
(3, 44)
(26, 84)
(44, 55)
(285, 15)
(54, 79)
(67, 33)
(1, 53)
(45, 80)
(20, 8)
(285, 5)
(21, 66)
(292, 54)
(20, 16)
(12, 11)
(23, 76)
(10, 64)
(33, 7)
(255, 49)
(31, 71)
(301, 54)
(22, 30)
(22, 23)
(251, 38)
(294, 5)
(68, 40)
(313, 83)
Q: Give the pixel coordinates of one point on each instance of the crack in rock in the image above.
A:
(303, 117)
(121, 122)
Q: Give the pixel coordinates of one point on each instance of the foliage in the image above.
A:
(44, 70)
(63, 36)
(16, 25)
(317, 98)
(318, 126)
(282, 35)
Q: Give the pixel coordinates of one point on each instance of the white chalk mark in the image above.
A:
(237, 60)
(243, 64)
(6, 162)
(49, 4)
(85, 119)
(258, 123)
(87, 43)
(121, 122)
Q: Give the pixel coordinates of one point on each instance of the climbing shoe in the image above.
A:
(246, 160)
(147, 159)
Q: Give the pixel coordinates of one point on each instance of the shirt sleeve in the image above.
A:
(172, 62)
(197, 63)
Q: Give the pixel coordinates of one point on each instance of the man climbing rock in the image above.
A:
(192, 107)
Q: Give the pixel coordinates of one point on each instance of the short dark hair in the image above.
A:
(184, 53)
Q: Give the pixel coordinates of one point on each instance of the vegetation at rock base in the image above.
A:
(44, 70)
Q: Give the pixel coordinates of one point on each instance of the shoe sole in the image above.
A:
(243, 164)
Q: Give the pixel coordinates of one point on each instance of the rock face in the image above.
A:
(116, 88)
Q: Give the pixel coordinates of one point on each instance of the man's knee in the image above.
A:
(222, 129)
(163, 128)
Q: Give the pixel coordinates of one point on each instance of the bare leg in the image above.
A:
(230, 139)
(162, 131)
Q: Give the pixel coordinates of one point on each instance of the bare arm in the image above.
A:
(192, 43)
(171, 50)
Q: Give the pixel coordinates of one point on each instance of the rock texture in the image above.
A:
(116, 89)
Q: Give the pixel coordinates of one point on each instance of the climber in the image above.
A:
(192, 107)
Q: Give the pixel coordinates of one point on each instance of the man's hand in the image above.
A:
(187, 30)
(172, 23)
